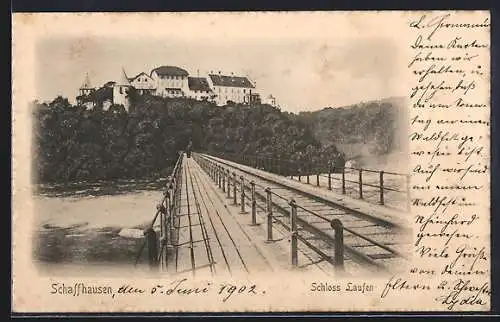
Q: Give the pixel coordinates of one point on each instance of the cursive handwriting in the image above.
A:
(435, 23)
(449, 145)
(184, 287)
(400, 284)
(464, 293)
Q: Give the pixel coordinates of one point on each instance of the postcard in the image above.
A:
(251, 162)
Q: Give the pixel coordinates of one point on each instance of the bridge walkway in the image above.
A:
(214, 238)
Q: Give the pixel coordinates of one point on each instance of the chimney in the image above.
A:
(197, 73)
(219, 72)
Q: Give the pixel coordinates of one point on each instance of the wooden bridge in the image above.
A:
(222, 217)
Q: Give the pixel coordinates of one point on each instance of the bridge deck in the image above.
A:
(215, 238)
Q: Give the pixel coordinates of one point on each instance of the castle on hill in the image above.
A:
(172, 81)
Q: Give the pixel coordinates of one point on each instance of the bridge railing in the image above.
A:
(244, 192)
(161, 233)
(376, 186)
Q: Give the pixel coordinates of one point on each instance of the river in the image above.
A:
(79, 225)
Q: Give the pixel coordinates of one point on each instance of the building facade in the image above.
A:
(270, 100)
(199, 89)
(121, 90)
(84, 92)
(171, 81)
(110, 93)
(143, 83)
(232, 88)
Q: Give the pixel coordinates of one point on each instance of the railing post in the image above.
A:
(329, 179)
(269, 215)
(343, 180)
(223, 175)
(381, 187)
(293, 231)
(168, 207)
(242, 195)
(164, 231)
(171, 211)
(165, 235)
(216, 174)
(235, 202)
(360, 183)
(161, 209)
(228, 173)
(152, 248)
(219, 176)
(339, 243)
(307, 170)
(317, 179)
(254, 204)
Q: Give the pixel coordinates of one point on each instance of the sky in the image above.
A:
(303, 73)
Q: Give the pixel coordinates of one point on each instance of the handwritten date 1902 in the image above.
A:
(226, 290)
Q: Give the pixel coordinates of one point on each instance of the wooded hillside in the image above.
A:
(365, 129)
(72, 143)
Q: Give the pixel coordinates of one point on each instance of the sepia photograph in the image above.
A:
(206, 157)
(187, 153)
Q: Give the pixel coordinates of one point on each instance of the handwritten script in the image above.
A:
(449, 146)
(181, 287)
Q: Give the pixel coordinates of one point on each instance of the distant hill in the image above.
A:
(364, 131)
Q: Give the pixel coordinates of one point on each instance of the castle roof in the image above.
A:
(141, 73)
(230, 81)
(198, 84)
(170, 71)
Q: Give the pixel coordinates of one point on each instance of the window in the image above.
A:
(244, 91)
(121, 90)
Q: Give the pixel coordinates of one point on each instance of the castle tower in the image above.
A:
(86, 88)
(121, 90)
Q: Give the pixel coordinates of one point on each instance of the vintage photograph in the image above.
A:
(220, 157)
(251, 162)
